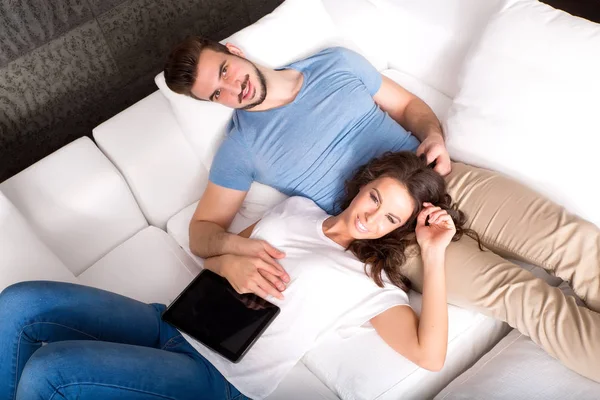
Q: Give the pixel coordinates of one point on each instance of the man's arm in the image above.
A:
(248, 264)
(214, 213)
(417, 117)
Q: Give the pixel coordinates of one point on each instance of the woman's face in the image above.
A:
(380, 207)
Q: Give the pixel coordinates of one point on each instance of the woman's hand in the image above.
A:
(439, 230)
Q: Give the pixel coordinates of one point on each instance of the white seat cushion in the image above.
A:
(77, 203)
(159, 164)
(23, 256)
(363, 366)
(149, 267)
(517, 368)
(528, 104)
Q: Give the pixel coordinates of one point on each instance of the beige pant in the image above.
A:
(514, 221)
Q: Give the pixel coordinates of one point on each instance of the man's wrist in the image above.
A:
(233, 244)
(215, 264)
(436, 135)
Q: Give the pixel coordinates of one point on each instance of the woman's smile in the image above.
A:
(360, 226)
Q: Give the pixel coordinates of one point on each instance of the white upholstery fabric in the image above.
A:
(517, 368)
(160, 167)
(149, 267)
(363, 366)
(77, 203)
(429, 39)
(528, 104)
(23, 256)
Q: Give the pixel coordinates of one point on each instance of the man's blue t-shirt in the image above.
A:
(310, 146)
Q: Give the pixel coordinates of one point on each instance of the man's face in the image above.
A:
(229, 80)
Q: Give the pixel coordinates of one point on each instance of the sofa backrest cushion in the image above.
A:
(528, 104)
(147, 145)
(77, 203)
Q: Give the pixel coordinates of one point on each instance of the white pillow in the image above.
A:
(528, 104)
(293, 31)
(203, 123)
(429, 39)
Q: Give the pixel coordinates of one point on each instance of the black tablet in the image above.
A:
(212, 312)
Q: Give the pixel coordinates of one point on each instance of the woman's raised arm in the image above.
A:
(424, 340)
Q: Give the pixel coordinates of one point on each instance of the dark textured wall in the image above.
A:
(68, 65)
(589, 9)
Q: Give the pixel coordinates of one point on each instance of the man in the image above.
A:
(304, 128)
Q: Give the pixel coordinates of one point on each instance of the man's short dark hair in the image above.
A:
(182, 63)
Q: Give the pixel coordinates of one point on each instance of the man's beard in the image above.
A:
(263, 89)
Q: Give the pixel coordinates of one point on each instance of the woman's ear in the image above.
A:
(233, 49)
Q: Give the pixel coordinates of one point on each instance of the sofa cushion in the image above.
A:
(23, 256)
(362, 366)
(77, 203)
(517, 368)
(528, 103)
(149, 267)
(430, 39)
(147, 145)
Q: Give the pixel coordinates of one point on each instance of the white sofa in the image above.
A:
(504, 77)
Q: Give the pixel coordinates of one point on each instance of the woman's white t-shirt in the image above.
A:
(328, 291)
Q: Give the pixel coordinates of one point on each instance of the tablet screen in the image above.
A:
(212, 312)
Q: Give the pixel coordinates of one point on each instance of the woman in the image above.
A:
(103, 345)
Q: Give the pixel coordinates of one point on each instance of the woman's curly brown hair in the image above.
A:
(388, 253)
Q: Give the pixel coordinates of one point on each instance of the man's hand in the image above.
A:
(253, 275)
(434, 149)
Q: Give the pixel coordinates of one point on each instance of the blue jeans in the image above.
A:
(66, 341)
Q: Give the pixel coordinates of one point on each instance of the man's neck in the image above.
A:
(282, 88)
